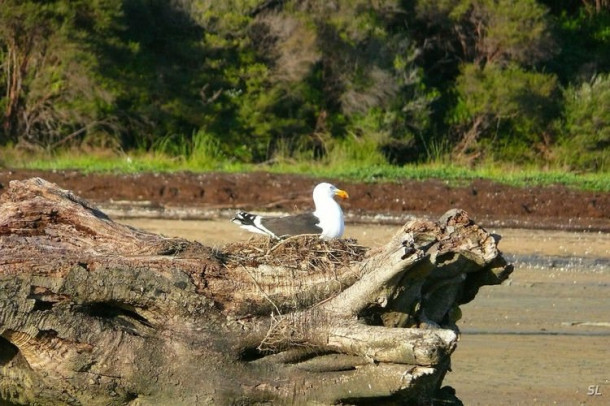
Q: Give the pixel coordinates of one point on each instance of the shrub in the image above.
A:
(585, 129)
(499, 107)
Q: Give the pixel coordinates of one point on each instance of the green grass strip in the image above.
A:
(108, 162)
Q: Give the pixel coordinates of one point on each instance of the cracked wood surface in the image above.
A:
(94, 312)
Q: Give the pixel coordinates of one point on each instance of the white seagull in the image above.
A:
(326, 220)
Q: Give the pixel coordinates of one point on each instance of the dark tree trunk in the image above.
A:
(97, 313)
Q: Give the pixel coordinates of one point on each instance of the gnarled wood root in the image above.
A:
(95, 312)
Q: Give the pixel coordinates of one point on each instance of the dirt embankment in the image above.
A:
(553, 207)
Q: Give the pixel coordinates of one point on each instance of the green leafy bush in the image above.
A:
(585, 129)
(507, 111)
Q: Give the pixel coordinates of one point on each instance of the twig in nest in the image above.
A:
(282, 242)
(262, 291)
(282, 334)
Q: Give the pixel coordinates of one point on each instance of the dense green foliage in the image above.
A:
(367, 83)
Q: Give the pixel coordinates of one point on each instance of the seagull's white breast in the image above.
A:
(329, 212)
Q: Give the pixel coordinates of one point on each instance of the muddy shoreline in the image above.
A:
(186, 195)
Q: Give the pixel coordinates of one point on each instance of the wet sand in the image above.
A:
(543, 337)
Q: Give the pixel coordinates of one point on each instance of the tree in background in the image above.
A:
(159, 74)
(494, 94)
(582, 32)
(52, 93)
(305, 77)
(586, 125)
(510, 108)
(266, 80)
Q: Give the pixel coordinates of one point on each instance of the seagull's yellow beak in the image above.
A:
(341, 193)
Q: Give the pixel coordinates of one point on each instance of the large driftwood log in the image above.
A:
(97, 313)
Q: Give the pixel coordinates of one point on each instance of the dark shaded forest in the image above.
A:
(519, 81)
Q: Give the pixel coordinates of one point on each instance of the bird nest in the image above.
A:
(303, 252)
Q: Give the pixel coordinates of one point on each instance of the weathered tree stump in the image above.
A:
(97, 313)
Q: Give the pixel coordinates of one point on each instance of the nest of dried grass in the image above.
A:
(303, 252)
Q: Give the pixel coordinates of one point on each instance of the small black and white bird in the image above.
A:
(326, 220)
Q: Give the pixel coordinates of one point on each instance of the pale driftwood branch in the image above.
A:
(94, 312)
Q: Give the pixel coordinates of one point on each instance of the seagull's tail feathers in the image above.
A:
(252, 223)
(244, 218)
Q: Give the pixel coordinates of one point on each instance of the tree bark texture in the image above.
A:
(93, 312)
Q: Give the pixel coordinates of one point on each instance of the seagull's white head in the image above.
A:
(325, 190)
